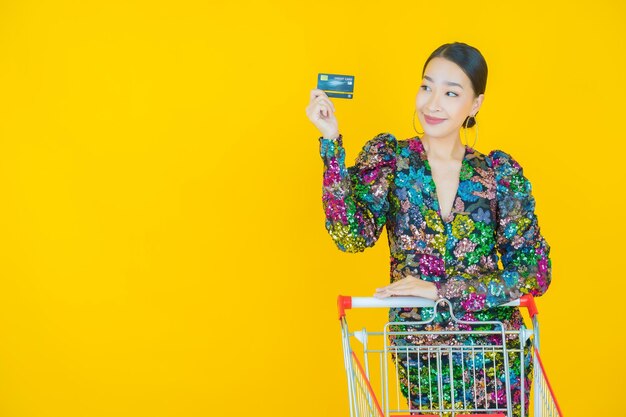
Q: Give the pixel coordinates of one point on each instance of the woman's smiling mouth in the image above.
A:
(433, 120)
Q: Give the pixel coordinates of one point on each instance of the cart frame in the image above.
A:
(364, 399)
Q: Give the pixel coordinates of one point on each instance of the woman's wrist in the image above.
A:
(334, 136)
(438, 289)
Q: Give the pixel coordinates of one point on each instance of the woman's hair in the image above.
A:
(471, 62)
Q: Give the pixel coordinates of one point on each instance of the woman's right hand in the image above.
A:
(321, 112)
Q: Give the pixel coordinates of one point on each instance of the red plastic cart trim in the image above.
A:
(344, 302)
(369, 386)
(528, 301)
(543, 371)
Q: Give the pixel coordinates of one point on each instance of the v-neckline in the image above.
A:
(435, 197)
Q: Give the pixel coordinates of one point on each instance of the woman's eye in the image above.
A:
(425, 87)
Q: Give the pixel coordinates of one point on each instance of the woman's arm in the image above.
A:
(355, 198)
(524, 251)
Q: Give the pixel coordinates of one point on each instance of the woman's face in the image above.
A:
(445, 93)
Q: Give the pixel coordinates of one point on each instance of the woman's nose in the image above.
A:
(433, 103)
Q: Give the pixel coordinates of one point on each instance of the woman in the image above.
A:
(448, 209)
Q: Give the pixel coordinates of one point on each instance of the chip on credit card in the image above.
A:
(336, 85)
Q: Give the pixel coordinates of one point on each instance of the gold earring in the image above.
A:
(414, 113)
(465, 130)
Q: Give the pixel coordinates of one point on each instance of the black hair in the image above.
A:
(471, 62)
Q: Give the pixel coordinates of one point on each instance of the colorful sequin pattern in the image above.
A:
(391, 185)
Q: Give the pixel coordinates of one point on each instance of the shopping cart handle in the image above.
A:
(345, 302)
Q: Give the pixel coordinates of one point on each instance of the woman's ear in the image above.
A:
(478, 102)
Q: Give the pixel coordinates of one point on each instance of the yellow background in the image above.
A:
(163, 250)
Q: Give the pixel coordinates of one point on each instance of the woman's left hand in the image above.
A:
(409, 286)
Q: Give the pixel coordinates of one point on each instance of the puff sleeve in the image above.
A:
(524, 252)
(355, 198)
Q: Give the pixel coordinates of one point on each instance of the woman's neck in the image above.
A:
(445, 149)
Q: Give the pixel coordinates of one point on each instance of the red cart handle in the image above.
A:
(346, 302)
(528, 301)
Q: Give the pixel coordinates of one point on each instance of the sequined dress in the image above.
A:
(391, 185)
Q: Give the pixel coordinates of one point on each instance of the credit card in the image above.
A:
(336, 85)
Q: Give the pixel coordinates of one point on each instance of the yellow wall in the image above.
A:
(163, 250)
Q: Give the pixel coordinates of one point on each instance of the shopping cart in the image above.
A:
(373, 370)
